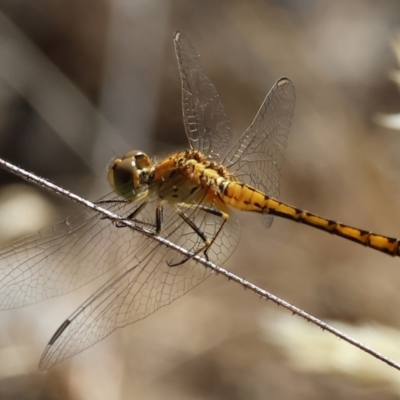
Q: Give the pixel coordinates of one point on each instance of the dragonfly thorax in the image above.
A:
(125, 174)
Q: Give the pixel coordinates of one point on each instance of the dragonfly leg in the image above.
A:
(224, 217)
(118, 223)
(132, 215)
(159, 218)
(110, 201)
(207, 242)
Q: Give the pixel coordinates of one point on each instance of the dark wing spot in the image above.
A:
(59, 331)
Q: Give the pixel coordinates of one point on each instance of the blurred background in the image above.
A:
(84, 80)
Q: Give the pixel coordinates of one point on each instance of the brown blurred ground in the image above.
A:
(82, 80)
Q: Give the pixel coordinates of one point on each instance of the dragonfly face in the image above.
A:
(126, 175)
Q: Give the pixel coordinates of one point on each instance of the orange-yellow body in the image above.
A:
(223, 188)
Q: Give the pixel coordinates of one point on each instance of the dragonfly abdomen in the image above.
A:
(246, 198)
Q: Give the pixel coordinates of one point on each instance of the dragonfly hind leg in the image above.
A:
(207, 242)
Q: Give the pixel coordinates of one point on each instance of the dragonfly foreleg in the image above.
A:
(132, 215)
(118, 223)
(110, 201)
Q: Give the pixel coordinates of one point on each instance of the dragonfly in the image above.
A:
(189, 198)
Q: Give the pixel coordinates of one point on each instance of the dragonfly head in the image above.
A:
(124, 174)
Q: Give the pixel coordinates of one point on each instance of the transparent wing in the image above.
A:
(58, 260)
(146, 282)
(257, 157)
(206, 124)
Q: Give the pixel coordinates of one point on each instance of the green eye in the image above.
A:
(121, 177)
(124, 174)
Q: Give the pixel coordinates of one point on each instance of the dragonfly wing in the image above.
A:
(147, 284)
(206, 124)
(258, 156)
(62, 258)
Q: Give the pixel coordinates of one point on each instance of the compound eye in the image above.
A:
(142, 160)
(123, 177)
